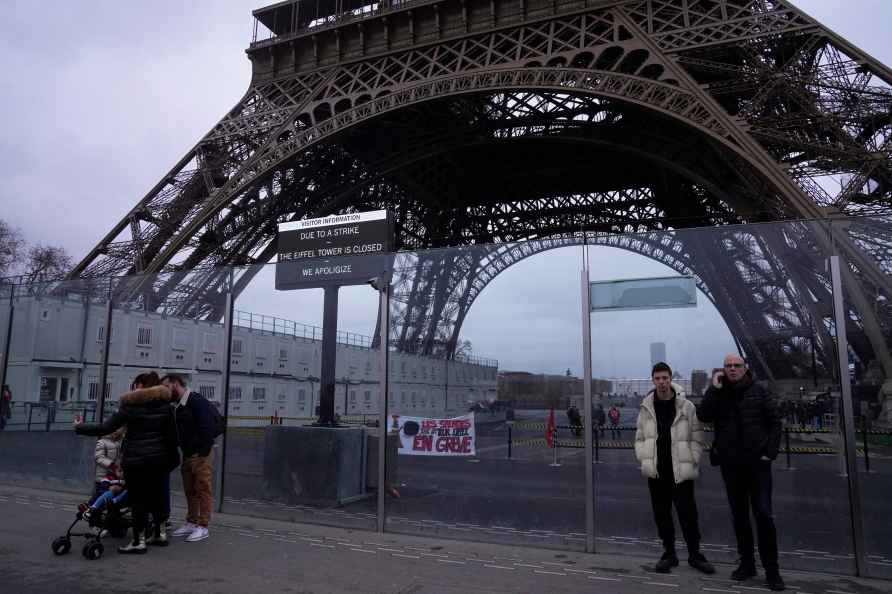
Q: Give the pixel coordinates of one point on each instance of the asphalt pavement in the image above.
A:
(257, 555)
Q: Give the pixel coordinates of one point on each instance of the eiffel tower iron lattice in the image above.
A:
(488, 123)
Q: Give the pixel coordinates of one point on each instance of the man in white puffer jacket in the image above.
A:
(668, 444)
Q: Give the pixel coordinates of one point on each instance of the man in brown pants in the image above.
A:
(195, 430)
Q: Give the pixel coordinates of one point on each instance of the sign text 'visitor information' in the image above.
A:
(339, 249)
(424, 436)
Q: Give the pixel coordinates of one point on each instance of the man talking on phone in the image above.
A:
(748, 430)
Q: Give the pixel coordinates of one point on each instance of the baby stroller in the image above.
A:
(112, 520)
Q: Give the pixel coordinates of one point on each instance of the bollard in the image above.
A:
(554, 449)
(787, 437)
(30, 413)
(509, 438)
(597, 445)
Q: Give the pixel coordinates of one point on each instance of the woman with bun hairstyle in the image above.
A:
(149, 453)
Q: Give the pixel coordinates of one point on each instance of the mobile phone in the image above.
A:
(718, 375)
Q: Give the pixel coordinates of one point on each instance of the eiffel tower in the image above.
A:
(550, 123)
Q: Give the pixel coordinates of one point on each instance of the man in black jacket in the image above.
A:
(195, 430)
(748, 430)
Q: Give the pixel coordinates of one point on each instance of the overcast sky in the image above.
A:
(100, 98)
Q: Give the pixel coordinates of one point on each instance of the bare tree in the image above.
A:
(11, 245)
(46, 263)
(464, 349)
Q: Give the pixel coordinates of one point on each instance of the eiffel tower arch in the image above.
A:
(484, 123)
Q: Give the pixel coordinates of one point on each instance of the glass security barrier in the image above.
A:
(171, 324)
(867, 288)
(279, 464)
(485, 426)
(763, 295)
(485, 356)
(51, 366)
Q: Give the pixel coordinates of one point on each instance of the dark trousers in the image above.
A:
(663, 494)
(165, 512)
(145, 489)
(749, 486)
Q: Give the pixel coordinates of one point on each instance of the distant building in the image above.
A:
(640, 387)
(699, 380)
(657, 353)
(57, 349)
(540, 391)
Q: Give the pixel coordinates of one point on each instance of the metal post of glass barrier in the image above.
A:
(8, 343)
(106, 344)
(227, 360)
(384, 329)
(848, 426)
(588, 425)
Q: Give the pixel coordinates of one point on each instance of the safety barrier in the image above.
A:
(598, 443)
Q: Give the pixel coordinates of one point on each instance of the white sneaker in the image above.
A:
(185, 530)
(200, 533)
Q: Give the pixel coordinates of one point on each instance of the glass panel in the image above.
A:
(490, 334)
(764, 295)
(278, 464)
(169, 323)
(868, 294)
(50, 360)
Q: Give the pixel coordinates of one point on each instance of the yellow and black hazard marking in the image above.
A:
(536, 425)
(533, 441)
(629, 445)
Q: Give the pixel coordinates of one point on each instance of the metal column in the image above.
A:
(227, 361)
(8, 343)
(106, 343)
(383, 368)
(842, 347)
(588, 427)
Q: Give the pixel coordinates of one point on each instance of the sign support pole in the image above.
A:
(329, 355)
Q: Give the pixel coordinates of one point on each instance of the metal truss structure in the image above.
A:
(552, 123)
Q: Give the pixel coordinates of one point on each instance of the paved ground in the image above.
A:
(525, 501)
(257, 555)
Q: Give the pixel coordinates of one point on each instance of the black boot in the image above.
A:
(136, 547)
(699, 562)
(774, 581)
(745, 571)
(667, 562)
(159, 536)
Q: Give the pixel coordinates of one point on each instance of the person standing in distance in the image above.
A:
(195, 427)
(614, 416)
(747, 439)
(668, 445)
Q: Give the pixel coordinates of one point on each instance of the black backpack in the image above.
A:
(219, 421)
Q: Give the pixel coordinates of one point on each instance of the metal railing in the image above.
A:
(788, 449)
(247, 320)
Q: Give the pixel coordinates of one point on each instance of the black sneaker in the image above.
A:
(699, 562)
(666, 563)
(773, 581)
(745, 571)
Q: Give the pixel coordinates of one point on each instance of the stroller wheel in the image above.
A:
(93, 550)
(61, 545)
